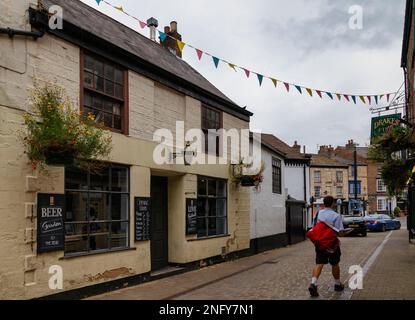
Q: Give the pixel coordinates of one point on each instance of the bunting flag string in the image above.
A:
(181, 45)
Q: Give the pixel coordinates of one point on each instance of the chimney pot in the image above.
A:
(173, 26)
(152, 23)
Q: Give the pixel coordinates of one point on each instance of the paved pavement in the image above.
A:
(284, 274)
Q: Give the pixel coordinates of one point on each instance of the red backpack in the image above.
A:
(324, 237)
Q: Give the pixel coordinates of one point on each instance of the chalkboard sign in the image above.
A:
(191, 217)
(142, 219)
(50, 222)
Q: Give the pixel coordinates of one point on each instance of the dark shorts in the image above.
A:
(324, 258)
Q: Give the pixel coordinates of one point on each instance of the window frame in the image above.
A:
(385, 203)
(341, 174)
(207, 216)
(205, 131)
(317, 172)
(315, 193)
(108, 221)
(124, 102)
(382, 190)
(276, 176)
(352, 187)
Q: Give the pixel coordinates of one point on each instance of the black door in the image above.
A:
(295, 222)
(159, 240)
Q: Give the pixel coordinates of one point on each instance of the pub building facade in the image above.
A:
(134, 217)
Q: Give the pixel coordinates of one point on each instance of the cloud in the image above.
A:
(300, 41)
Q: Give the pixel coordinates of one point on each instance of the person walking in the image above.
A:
(333, 220)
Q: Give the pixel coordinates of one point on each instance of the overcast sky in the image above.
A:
(298, 41)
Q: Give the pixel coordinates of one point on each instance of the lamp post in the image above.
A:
(339, 205)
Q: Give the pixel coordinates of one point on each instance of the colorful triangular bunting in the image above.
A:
(98, 1)
(287, 86)
(376, 99)
(142, 24)
(310, 92)
(362, 98)
(354, 99)
(247, 72)
(319, 94)
(330, 95)
(339, 96)
(299, 89)
(260, 78)
(181, 45)
(216, 61)
(120, 8)
(232, 66)
(274, 81)
(346, 97)
(162, 36)
(199, 53)
(369, 98)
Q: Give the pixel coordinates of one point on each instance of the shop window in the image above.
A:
(97, 210)
(212, 207)
(105, 92)
(211, 120)
(276, 176)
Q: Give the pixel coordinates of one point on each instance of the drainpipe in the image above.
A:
(14, 32)
(38, 19)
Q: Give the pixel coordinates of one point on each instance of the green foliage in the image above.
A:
(58, 134)
(395, 171)
(397, 211)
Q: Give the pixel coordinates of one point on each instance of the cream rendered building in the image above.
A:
(150, 88)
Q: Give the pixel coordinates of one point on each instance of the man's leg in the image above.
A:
(336, 272)
(317, 271)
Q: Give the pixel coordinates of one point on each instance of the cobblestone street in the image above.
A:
(285, 274)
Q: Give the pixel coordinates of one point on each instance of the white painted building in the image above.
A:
(286, 176)
(268, 221)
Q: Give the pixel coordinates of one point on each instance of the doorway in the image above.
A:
(159, 223)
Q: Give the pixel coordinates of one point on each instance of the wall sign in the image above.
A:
(142, 219)
(381, 124)
(50, 222)
(191, 217)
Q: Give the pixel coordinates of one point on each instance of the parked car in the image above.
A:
(356, 223)
(381, 222)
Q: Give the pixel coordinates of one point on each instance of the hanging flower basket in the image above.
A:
(60, 155)
(57, 134)
(247, 181)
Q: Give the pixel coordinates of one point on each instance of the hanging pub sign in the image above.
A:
(381, 124)
(50, 222)
(191, 217)
(142, 219)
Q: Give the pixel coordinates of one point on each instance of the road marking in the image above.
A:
(375, 254)
(348, 293)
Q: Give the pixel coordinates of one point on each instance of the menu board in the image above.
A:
(191, 216)
(50, 222)
(142, 219)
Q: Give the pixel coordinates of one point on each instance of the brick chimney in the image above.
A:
(297, 147)
(350, 145)
(171, 43)
(327, 151)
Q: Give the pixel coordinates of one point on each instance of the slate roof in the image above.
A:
(90, 20)
(290, 152)
(323, 161)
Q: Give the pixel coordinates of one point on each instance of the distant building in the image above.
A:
(329, 177)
